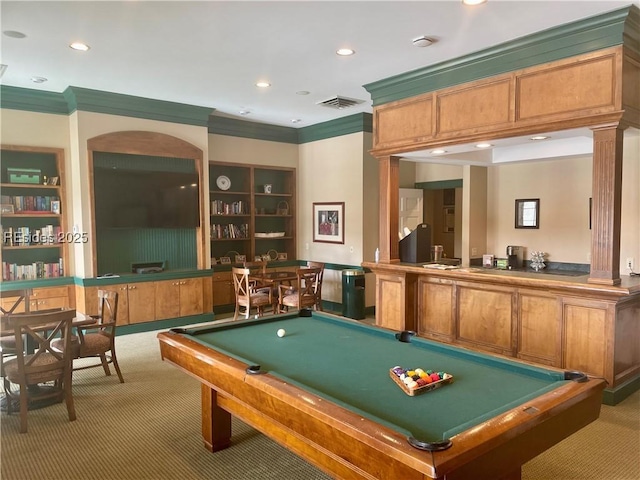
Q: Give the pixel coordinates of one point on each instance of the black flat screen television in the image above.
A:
(143, 199)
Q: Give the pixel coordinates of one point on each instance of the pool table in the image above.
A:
(324, 391)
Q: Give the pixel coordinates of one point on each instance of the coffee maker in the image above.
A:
(514, 257)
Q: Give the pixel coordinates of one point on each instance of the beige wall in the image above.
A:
(246, 150)
(331, 170)
(563, 186)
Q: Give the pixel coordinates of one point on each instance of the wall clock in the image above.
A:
(223, 182)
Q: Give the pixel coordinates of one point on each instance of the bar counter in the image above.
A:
(556, 320)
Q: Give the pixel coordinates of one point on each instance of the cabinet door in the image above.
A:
(167, 299)
(48, 298)
(91, 301)
(223, 292)
(142, 302)
(436, 308)
(191, 297)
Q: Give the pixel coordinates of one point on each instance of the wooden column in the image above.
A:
(606, 207)
(389, 169)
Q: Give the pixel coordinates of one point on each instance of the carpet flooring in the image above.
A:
(149, 428)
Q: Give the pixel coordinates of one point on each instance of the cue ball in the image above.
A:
(281, 332)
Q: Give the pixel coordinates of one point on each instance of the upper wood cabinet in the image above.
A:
(252, 211)
(34, 235)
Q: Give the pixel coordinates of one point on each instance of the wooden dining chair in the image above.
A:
(248, 295)
(44, 365)
(319, 265)
(301, 295)
(11, 301)
(98, 339)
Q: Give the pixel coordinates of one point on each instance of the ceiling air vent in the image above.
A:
(340, 102)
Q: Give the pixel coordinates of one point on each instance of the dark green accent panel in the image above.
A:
(118, 248)
(564, 41)
(48, 282)
(87, 100)
(360, 122)
(31, 100)
(142, 162)
(164, 324)
(258, 131)
(613, 396)
(440, 185)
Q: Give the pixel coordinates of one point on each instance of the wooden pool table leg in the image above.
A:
(216, 422)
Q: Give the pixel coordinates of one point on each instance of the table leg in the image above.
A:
(216, 422)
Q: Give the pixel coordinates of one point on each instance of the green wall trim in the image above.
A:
(43, 282)
(258, 131)
(564, 41)
(164, 324)
(359, 122)
(613, 396)
(439, 185)
(146, 277)
(98, 101)
(16, 98)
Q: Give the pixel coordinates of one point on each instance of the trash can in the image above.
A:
(353, 294)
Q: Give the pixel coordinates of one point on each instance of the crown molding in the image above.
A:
(255, 130)
(584, 36)
(17, 98)
(87, 100)
(359, 122)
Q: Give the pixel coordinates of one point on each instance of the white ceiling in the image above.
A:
(211, 53)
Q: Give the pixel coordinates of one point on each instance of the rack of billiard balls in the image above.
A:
(416, 381)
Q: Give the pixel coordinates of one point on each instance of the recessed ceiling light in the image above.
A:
(539, 137)
(82, 47)
(244, 112)
(484, 145)
(438, 152)
(263, 84)
(302, 92)
(14, 34)
(473, 2)
(38, 79)
(345, 52)
(295, 120)
(422, 41)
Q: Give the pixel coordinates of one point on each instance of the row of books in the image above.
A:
(29, 203)
(26, 236)
(218, 207)
(13, 271)
(219, 231)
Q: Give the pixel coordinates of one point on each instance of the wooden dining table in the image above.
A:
(274, 279)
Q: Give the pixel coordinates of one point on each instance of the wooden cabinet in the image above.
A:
(178, 298)
(223, 290)
(436, 309)
(539, 328)
(44, 299)
(252, 211)
(136, 301)
(48, 298)
(485, 317)
(34, 235)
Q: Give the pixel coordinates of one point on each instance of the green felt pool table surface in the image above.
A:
(348, 362)
(324, 391)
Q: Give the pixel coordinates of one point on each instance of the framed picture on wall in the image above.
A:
(328, 222)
